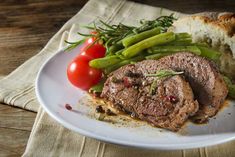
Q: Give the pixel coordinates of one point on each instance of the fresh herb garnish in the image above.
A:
(164, 22)
(160, 74)
(164, 73)
(74, 44)
(113, 34)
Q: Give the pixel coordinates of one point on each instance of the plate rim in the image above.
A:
(69, 126)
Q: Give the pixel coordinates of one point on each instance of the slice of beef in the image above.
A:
(207, 83)
(167, 105)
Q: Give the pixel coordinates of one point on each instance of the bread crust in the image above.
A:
(225, 21)
(219, 28)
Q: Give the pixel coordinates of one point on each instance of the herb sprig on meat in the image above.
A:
(159, 75)
(164, 73)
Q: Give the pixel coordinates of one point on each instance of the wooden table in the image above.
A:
(25, 28)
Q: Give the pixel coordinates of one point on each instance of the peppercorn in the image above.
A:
(109, 112)
(99, 109)
(172, 99)
(68, 107)
(131, 74)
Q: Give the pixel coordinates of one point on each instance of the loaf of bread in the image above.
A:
(217, 29)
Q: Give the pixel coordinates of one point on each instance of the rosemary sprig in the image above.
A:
(74, 44)
(85, 35)
(164, 22)
(161, 74)
(164, 73)
(112, 34)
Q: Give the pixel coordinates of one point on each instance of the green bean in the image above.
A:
(116, 47)
(183, 39)
(185, 42)
(159, 39)
(231, 92)
(209, 53)
(160, 49)
(200, 44)
(158, 55)
(137, 58)
(130, 40)
(97, 88)
(231, 87)
(109, 54)
(121, 56)
(116, 66)
(122, 63)
(119, 52)
(101, 63)
(182, 35)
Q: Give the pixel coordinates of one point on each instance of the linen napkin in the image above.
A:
(48, 138)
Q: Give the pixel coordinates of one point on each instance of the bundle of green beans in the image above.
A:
(152, 44)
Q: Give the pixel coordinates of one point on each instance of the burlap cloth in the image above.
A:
(49, 138)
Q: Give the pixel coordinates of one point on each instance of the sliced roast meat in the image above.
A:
(207, 83)
(166, 102)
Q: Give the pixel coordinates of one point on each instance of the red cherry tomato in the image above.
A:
(92, 51)
(81, 75)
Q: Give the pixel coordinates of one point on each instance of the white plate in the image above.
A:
(54, 91)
